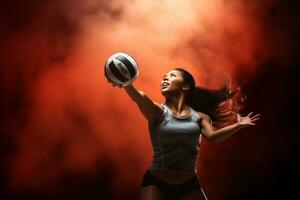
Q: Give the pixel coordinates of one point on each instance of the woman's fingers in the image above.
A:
(257, 115)
(249, 114)
(114, 84)
(255, 119)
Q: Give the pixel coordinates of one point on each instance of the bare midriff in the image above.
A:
(171, 176)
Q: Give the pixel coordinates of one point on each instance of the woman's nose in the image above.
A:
(165, 79)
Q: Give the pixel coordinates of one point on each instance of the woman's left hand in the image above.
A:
(247, 120)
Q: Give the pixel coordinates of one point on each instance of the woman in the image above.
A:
(176, 128)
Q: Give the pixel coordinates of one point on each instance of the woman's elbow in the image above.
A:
(212, 139)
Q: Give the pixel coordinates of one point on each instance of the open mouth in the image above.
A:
(164, 85)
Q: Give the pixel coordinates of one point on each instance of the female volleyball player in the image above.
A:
(176, 127)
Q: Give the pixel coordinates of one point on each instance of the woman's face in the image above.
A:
(172, 83)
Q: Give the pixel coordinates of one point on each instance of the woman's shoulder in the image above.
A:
(161, 106)
(204, 116)
(158, 114)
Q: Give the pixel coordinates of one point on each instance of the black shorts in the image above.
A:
(172, 192)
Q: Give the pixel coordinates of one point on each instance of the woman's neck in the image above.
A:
(177, 104)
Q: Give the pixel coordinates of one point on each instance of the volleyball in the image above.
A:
(121, 69)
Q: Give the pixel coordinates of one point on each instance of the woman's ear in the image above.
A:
(186, 87)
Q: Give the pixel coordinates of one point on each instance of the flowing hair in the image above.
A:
(222, 105)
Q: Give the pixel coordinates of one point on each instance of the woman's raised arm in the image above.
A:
(150, 109)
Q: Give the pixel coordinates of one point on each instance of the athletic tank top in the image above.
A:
(175, 141)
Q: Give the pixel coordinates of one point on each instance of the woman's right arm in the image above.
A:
(150, 109)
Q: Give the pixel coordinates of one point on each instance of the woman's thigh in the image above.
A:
(151, 192)
(196, 194)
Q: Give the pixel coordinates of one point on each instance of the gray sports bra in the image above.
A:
(175, 141)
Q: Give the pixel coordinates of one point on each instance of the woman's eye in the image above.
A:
(173, 75)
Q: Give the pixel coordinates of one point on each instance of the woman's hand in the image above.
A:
(113, 83)
(247, 120)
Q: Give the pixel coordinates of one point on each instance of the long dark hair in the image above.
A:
(222, 105)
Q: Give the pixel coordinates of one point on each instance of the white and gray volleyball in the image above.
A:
(121, 68)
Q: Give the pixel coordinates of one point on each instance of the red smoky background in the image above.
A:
(67, 133)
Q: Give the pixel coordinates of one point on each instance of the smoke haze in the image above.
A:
(67, 132)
